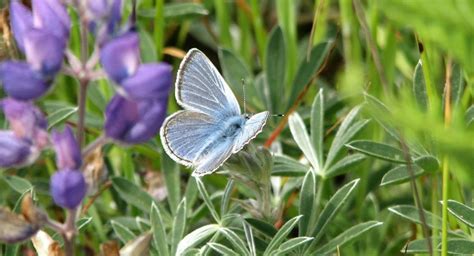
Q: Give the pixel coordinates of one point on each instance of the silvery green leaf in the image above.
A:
(122, 232)
(196, 237)
(179, 225)
(300, 135)
(281, 235)
(158, 229)
(222, 250)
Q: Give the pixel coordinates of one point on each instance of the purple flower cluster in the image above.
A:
(134, 114)
(41, 35)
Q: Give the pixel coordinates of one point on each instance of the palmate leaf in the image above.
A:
(122, 232)
(235, 240)
(275, 68)
(196, 237)
(292, 244)
(317, 125)
(419, 87)
(222, 249)
(288, 167)
(207, 200)
(378, 150)
(179, 225)
(456, 246)
(306, 206)
(331, 209)
(281, 235)
(411, 213)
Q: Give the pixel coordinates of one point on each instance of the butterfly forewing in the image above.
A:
(200, 87)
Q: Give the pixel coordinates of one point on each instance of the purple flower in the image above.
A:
(21, 21)
(52, 16)
(68, 153)
(151, 81)
(131, 121)
(14, 151)
(44, 51)
(21, 82)
(120, 56)
(42, 36)
(26, 121)
(105, 14)
(68, 188)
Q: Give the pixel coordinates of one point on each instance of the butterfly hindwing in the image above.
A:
(251, 128)
(200, 87)
(185, 134)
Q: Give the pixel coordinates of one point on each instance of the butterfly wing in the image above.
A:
(251, 128)
(200, 87)
(213, 159)
(185, 134)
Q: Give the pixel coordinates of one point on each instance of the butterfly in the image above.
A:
(211, 127)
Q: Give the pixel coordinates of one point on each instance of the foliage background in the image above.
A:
(353, 59)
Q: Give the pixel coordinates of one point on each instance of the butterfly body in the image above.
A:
(211, 127)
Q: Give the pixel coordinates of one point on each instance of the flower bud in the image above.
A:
(104, 12)
(26, 121)
(68, 153)
(14, 151)
(21, 82)
(120, 56)
(150, 81)
(68, 188)
(131, 121)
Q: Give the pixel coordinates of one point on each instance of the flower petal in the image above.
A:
(21, 82)
(68, 153)
(21, 20)
(14, 151)
(68, 188)
(151, 81)
(120, 56)
(44, 51)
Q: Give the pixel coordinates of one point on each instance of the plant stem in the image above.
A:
(447, 121)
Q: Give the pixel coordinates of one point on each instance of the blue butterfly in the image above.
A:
(211, 127)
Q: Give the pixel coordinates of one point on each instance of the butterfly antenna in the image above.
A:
(243, 90)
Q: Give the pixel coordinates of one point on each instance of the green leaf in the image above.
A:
(281, 235)
(378, 150)
(419, 87)
(346, 236)
(172, 180)
(234, 70)
(317, 125)
(411, 213)
(379, 109)
(249, 238)
(18, 184)
(221, 249)
(60, 115)
(342, 166)
(158, 229)
(293, 244)
(196, 237)
(147, 47)
(235, 240)
(346, 131)
(331, 209)
(400, 174)
(460, 246)
(262, 226)
(463, 212)
(428, 163)
(122, 232)
(308, 69)
(177, 11)
(275, 68)
(132, 194)
(179, 226)
(207, 200)
(457, 84)
(300, 135)
(306, 205)
(226, 197)
(287, 166)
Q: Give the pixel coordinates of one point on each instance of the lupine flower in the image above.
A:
(14, 151)
(150, 81)
(68, 153)
(68, 188)
(21, 82)
(120, 56)
(26, 121)
(41, 34)
(131, 121)
(104, 16)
